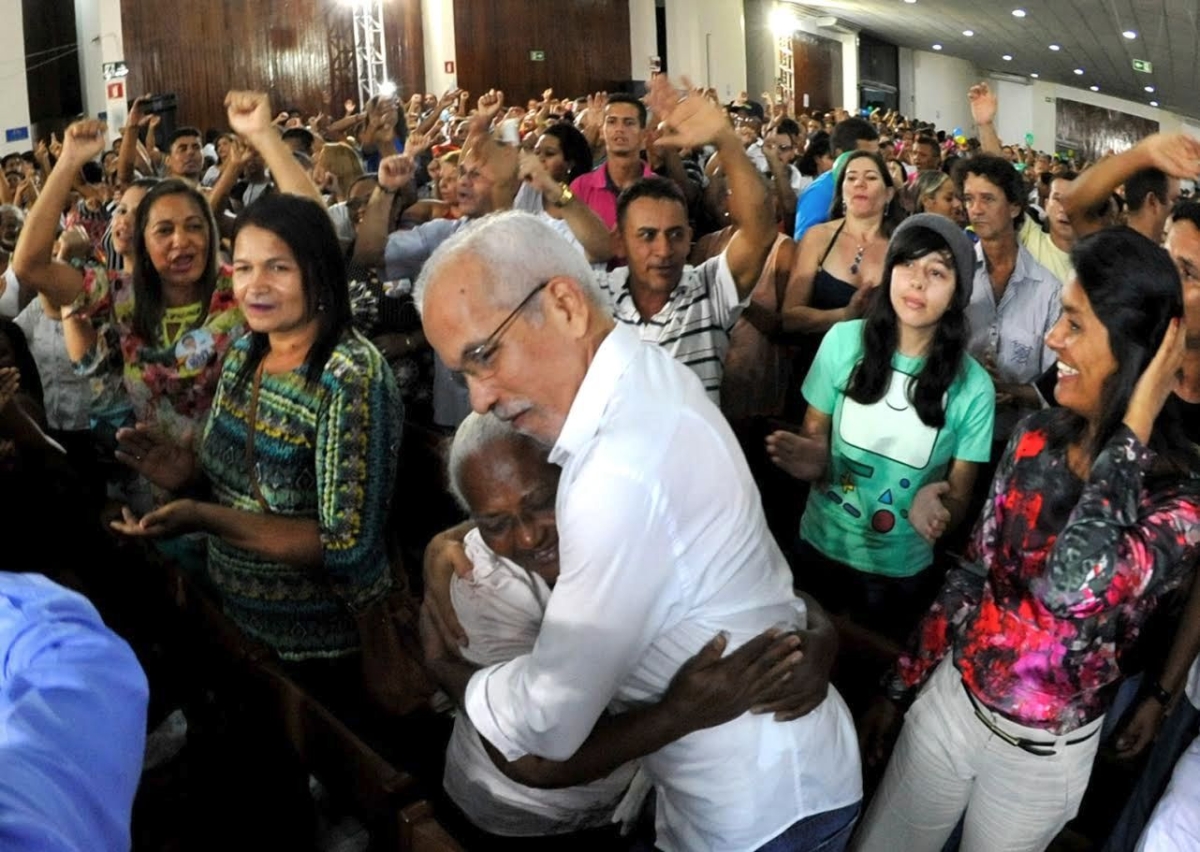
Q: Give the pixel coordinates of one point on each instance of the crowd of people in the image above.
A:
(830, 482)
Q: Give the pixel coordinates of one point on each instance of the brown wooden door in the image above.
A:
(818, 68)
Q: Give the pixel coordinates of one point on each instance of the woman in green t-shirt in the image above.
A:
(899, 416)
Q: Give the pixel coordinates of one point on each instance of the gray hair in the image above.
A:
(518, 251)
(474, 435)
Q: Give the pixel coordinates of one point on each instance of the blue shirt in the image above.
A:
(814, 204)
(72, 722)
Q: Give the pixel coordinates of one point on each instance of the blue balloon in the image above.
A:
(957, 132)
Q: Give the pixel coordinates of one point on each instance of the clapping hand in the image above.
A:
(162, 461)
(803, 457)
(928, 514)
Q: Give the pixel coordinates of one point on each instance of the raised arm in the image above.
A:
(984, 105)
(32, 260)
(250, 118)
(1177, 154)
(694, 122)
(587, 227)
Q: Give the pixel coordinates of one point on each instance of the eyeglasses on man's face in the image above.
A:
(479, 362)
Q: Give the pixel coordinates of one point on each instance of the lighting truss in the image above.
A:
(370, 61)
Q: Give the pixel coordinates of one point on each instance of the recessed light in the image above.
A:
(1034, 75)
(1055, 47)
(1094, 88)
(1018, 13)
(1079, 71)
(1129, 34)
(1153, 103)
(1150, 89)
(968, 33)
(1007, 57)
(937, 47)
(910, 2)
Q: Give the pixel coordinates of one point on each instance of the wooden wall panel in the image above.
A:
(294, 49)
(586, 45)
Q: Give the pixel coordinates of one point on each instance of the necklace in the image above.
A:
(858, 256)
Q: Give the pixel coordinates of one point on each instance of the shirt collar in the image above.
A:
(599, 386)
(1021, 269)
(608, 181)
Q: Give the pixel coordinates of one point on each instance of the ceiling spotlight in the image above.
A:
(1094, 88)
(1033, 74)
(1055, 47)
(937, 47)
(1007, 57)
(1018, 13)
(1079, 71)
(910, 2)
(968, 33)
(1129, 34)
(1153, 103)
(1150, 89)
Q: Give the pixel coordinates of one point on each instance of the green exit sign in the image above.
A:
(537, 56)
(1143, 65)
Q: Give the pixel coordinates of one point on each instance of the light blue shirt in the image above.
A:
(72, 722)
(1011, 333)
(814, 204)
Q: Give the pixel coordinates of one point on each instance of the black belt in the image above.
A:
(1039, 749)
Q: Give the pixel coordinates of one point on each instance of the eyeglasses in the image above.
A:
(477, 361)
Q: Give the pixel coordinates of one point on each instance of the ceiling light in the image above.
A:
(1129, 34)
(1079, 71)
(1007, 57)
(937, 47)
(968, 33)
(1153, 103)
(910, 2)
(1034, 75)
(1055, 47)
(1094, 88)
(1018, 13)
(1150, 89)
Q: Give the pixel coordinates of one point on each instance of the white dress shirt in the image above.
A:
(500, 607)
(662, 544)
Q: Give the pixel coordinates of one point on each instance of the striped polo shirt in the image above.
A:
(693, 325)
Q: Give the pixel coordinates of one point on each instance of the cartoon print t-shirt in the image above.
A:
(883, 453)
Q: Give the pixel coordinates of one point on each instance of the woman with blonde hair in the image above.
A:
(934, 192)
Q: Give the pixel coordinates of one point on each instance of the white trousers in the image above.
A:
(1175, 824)
(946, 761)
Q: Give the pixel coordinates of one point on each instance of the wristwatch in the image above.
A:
(566, 198)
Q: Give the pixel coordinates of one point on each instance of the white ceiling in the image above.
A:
(1089, 32)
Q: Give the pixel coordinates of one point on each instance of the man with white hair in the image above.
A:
(662, 541)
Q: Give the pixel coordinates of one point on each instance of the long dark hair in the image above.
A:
(881, 335)
(306, 229)
(891, 216)
(148, 305)
(1134, 290)
(575, 148)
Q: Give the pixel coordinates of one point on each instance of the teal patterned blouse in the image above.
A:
(327, 453)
